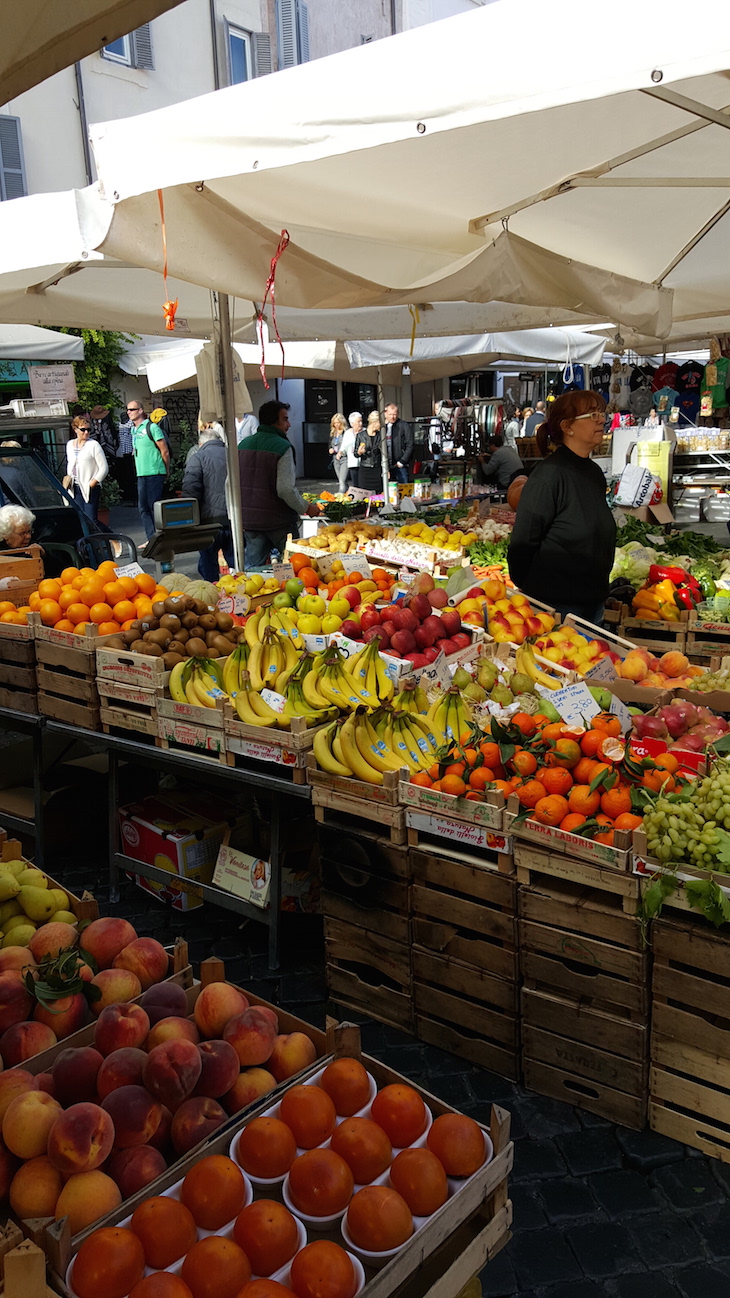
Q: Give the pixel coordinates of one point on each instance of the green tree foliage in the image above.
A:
(94, 375)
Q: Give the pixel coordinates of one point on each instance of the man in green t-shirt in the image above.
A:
(151, 462)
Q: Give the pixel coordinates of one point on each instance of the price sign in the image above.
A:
(620, 710)
(575, 703)
(276, 702)
(235, 605)
(603, 670)
(436, 675)
(282, 572)
(355, 563)
(129, 570)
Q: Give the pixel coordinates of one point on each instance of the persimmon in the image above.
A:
(530, 793)
(420, 1179)
(263, 1288)
(214, 1190)
(323, 1270)
(309, 1114)
(161, 1284)
(347, 1084)
(550, 810)
(364, 1146)
(400, 1111)
(582, 801)
(379, 1219)
(165, 1229)
(215, 1268)
(109, 1262)
(267, 1232)
(458, 1143)
(556, 779)
(266, 1148)
(320, 1183)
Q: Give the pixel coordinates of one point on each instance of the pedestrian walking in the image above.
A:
(338, 429)
(205, 478)
(151, 462)
(86, 467)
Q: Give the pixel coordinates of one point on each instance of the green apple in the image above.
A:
(313, 604)
(283, 600)
(294, 588)
(308, 624)
(331, 623)
(339, 608)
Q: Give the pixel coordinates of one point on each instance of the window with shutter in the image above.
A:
(239, 55)
(142, 47)
(12, 166)
(286, 25)
(262, 63)
(303, 30)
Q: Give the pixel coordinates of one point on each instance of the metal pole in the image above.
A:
(383, 441)
(229, 413)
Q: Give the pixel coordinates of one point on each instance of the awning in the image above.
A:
(27, 343)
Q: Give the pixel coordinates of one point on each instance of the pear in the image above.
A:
(602, 696)
(30, 878)
(60, 898)
(487, 675)
(549, 710)
(14, 867)
(520, 683)
(502, 695)
(461, 678)
(17, 921)
(20, 936)
(474, 692)
(9, 886)
(63, 917)
(8, 909)
(37, 903)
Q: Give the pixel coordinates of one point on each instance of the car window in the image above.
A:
(24, 482)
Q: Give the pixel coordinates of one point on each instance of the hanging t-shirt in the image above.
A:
(601, 380)
(641, 401)
(689, 377)
(664, 399)
(665, 376)
(622, 376)
(641, 376)
(715, 381)
(689, 407)
(573, 378)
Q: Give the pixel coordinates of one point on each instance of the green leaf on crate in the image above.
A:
(653, 898)
(722, 745)
(707, 897)
(723, 852)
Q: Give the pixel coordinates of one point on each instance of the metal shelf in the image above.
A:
(20, 722)
(205, 891)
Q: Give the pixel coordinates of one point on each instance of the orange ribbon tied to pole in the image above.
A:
(168, 308)
(270, 290)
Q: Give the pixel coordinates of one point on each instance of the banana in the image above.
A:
(359, 765)
(191, 694)
(338, 691)
(255, 662)
(362, 694)
(201, 692)
(323, 752)
(420, 700)
(356, 662)
(251, 629)
(242, 704)
(337, 749)
(416, 724)
(399, 747)
(374, 750)
(262, 709)
(312, 693)
(401, 729)
(176, 687)
(525, 661)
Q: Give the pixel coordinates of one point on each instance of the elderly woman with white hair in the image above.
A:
(205, 478)
(16, 527)
(347, 447)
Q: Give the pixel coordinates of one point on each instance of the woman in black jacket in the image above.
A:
(562, 545)
(367, 449)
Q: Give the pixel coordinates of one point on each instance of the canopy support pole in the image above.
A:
(383, 440)
(229, 419)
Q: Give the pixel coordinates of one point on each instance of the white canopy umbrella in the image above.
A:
(27, 343)
(552, 345)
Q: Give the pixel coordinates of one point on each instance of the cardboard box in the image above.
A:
(249, 877)
(157, 832)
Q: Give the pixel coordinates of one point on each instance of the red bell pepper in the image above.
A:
(659, 573)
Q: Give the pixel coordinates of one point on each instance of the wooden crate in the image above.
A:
(24, 569)
(18, 685)
(660, 637)
(532, 865)
(617, 857)
(366, 882)
(549, 1076)
(206, 739)
(286, 749)
(352, 803)
(706, 640)
(369, 973)
(127, 707)
(131, 669)
(689, 1097)
(482, 1011)
(85, 907)
(66, 673)
(464, 912)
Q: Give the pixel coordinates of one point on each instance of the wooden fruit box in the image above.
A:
(571, 845)
(462, 911)
(623, 1046)
(22, 1266)
(131, 669)
(127, 707)
(85, 908)
(366, 882)
(690, 1040)
(489, 813)
(616, 643)
(471, 1227)
(532, 866)
(23, 569)
(298, 738)
(660, 637)
(369, 973)
(646, 867)
(188, 736)
(349, 802)
(717, 700)
(550, 1076)
(482, 1010)
(18, 686)
(492, 848)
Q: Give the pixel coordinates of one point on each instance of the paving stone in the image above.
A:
(604, 1249)
(405, 1059)
(702, 1282)
(688, 1185)
(623, 1192)
(538, 1159)
(654, 1285)
(498, 1278)
(544, 1117)
(566, 1199)
(590, 1151)
(578, 1289)
(396, 1037)
(664, 1240)
(589, 1120)
(300, 991)
(542, 1257)
(497, 1090)
(527, 1212)
(648, 1149)
(452, 1090)
(483, 1112)
(713, 1224)
(721, 1173)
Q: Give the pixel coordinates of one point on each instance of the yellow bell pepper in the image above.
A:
(649, 614)
(666, 591)
(646, 599)
(669, 612)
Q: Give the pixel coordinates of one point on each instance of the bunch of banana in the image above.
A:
(198, 681)
(449, 715)
(413, 740)
(412, 699)
(525, 662)
(235, 666)
(275, 619)
(297, 706)
(368, 670)
(327, 682)
(272, 661)
(251, 708)
(351, 747)
(281, 621)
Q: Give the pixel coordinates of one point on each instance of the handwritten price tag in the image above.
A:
(282, 571)
(276, 702)
(129, 570)
(235, 605)
(603, 670)
(575, 703)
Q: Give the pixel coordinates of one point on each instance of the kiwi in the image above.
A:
(136, 626)
(171, 659)
(139, 647)
(196, 647)
(115, 642)
(207, 622)
(211, 652)
(220, 643)
(224, 621)
(182, 636)
(176, 647)
(158, 608)
(189, 620)
(161, 637)
(174, 604)
(210, 636)
(129, 637)
(170, 622)
(155, 650)
(148, 624)
(200, 607)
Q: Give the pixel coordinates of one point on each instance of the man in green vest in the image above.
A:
(270, 502)
(151, 462)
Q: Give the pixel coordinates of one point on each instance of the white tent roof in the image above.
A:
(27, 343)
(484, 186)
(552, 345)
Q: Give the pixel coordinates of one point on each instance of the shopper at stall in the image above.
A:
(270, 502)
(511, 429)
(86, 467)
(399, 435)
(205, 478)
(338, 428)
(564, 536)
(500, 465)
(347, 447)
(16, 527)
(151, 462)
(370, 474)
(534, 419)
(103, 431)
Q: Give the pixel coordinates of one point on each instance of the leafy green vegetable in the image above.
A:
(706, 896)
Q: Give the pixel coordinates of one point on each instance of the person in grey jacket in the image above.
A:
(205, 479)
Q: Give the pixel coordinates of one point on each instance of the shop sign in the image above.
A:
(53, 383)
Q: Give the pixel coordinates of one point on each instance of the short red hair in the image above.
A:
(563, 411)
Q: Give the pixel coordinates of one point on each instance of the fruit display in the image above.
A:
(442, 537)
(672, 671)
(13, 615)
(177, 628)
(694, 828)
(572, 649)
(247, 583)
(511, 618)
(84, 597)
(341, 538)
(706, 682)
(682, 725)
(28, 901)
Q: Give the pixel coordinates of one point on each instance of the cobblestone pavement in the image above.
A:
(599, 1211)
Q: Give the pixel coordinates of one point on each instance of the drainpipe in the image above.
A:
(393, 22)
(214, 38)
(84, 124)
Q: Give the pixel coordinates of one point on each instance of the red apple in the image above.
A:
(403, 641)
(417, 659)
(389, 628)
(461, 640)
(424, 637)
(351, 594)
(392, 653)
(435, 625)
(408, 620)
(448, 647)
(369, 617)
(437, 598)
(430, 655)
(451, 621)
(420, 606)
(378, 633)
(424, 583)
(351, 629)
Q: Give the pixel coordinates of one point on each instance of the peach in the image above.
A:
(252, 1036)
(121, 1068)
(673, 664)
(116, 986)
(634, 667)
(45, 1083)
(8, 1168)
(81, 1139)
(162, 1139)
(16, 957)
(105, 938)
(268, 1013)
(251, 1085)
(167, 997)
(216, 1005)
(75, 1071)
(194, 1121)
(220, 1069)
(35, 1188)
(171, 1072)
(51, 939)
(172, 1029)
(292, 1051)
(85, 1198)
(15, 1002)
(68, 1014)
(24, 1040)
(135, 1114)
(121, 1026)
(146, 958)
(134, 1168)
(12, 1084)
(28, 1122)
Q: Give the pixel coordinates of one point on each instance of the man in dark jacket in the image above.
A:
(103, 430)
(400, 443)
(205, 479)
(270, 502)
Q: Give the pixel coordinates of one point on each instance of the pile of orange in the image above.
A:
(81, 597)
(306, 570)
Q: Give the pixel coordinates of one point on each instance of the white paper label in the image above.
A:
(355, 563)
(575, 703)
(436, 674)
(603, 670)
(276, 702)
(282, 572)
(129, 570)
(235, 605)
(620, 710)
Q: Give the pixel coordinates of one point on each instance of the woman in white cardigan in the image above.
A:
(86, 467)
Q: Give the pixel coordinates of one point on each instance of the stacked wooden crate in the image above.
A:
(18, 681)
(366, 887)
(585, 995)
(66, 672)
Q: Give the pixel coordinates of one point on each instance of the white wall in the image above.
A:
(336, 25)
(414, 13)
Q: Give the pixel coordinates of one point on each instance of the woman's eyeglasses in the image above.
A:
(597, 416)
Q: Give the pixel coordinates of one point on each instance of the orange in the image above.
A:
(565, 753)
(77, 613)
(67, 597)
(481, 778)
(50, 611)
(584, 771)
(491, 754)
(109, 1262)
(124, 610)
(82, 628)
(379, 1219)
(34, 600)
(400, 1111)
(49, 588)
(91, 593)
(551, 810)
(552, 731)
(298, 561)
(612, 750)
(125, 625)
(582, 801)
(310, 577)
(109, 628)
(422, 779)
(7, 606)
(145, 583)
(100, 613)
(214, 1268)
(470, 756)
(88, 574)
(523, 763)
(347, 1084)
(656, 780)
(268, 1235)
(323, 1270)
(267, 1148)
(420, 1179)
(456, 768)
(556, 780)
(504, 787)
(474, 795)
(160, 592)
(65, 625)
(667, 762)
(364, 1147)
(608, 723)
(129, 585)
(606, 838)
(309, 1114)
(165, 1228)
(215, 1191)
(68, 575)
(16, 618)
(113, 593)
(453, 784)
(524, 722)
(79, 581)
(627, 820)
(572, 822)
(591, 742)
(616, 802)
(530, 793)
(320, 1183)
(106, 571)
(458, 1143)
